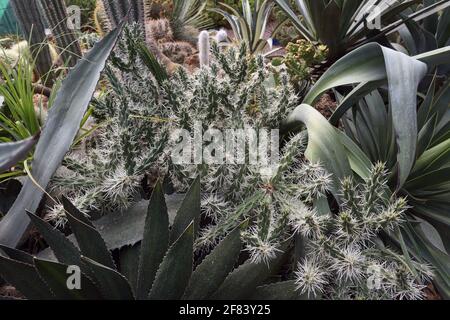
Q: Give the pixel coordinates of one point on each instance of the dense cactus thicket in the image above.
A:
(180, 156)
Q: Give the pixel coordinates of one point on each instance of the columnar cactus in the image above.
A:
(204, 48)
(56, 17)
(118, 9)
(32, 26)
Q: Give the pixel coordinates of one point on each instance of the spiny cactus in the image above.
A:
(204, 48)
(118, 9)
(66, 39)
(160, 29)
(32, 26)
(345, 259)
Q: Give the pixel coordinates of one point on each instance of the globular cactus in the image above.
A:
(204, 48)
(222, 36)
(57, 20)
(178, 51)
(32, 26)
(160, 30)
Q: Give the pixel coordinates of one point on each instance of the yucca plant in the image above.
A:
(344, 25)
(249, 26)
(162, 267)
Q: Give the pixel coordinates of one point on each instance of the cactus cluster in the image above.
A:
(132, 149)
(170, 30)
(345, 258)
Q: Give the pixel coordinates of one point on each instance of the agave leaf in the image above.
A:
(242, 282)
(154, 243)
(443, 28)
(24, 278)
(176, 268)
(285, 290)
(189, 210)
(13, 152)
(213, 270)
(125, 228)
(63, 123)
(129, 264)
(112, 285)
(64, 250)
(56, 276)
(17, 255)
(373, 62)
(324, 144)
(88, 238)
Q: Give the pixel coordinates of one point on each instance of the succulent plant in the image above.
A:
(346, 259)
(66, 39)
(163, 264)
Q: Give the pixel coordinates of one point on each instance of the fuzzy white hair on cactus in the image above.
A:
(222, 36)
(204, 48)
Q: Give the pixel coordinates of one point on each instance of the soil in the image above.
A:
(326, 105)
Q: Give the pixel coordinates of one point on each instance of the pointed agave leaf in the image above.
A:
(176, 269)
(155, 242)
(129, 264)
(189, 210)
(56, 276)
(63, 123)
(88, 238)
(12, 153)
(17, 255)
(324, 144)
(64, 250)
(286, 290)
(112, 285)
(242, 282)
(214, 269)
(24, 278)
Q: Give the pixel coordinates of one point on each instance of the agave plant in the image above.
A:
(162, 265)
(13, 152)
(62, 126)
(250, 25)
(344, 25)
(413, 143)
